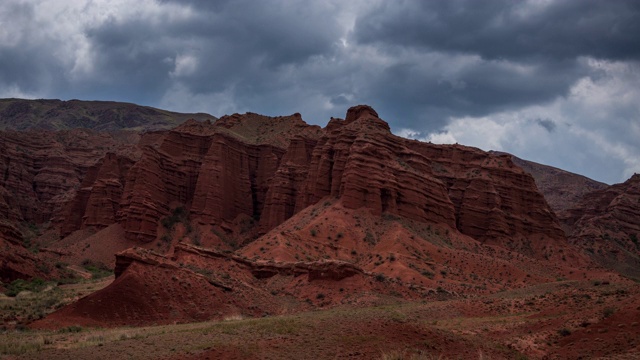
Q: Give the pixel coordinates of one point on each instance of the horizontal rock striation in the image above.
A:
(245, 174)
(494, 200)
(361, 162)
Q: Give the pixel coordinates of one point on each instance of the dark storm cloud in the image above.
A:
(423, 65)
(426, 99)
(231, 39)
(22, 61)
(131, 59)
(509, 29)
(527, 52)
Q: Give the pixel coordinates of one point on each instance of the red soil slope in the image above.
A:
(197, 284)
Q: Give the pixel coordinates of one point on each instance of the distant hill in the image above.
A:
(606, 224)
(562, 189)
(19, 114)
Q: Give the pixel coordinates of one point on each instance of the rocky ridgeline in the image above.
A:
(222, 179)
(263, 170)
(258, 170)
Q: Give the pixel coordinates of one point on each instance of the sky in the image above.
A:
(556, 82)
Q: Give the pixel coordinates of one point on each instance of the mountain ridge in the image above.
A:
(54, 114)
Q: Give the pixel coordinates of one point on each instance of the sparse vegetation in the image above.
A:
(369, 238)
(20, 285)
(98, 270)
(71, 329)
(179, 214)
(428, 274)
(400, 355)
(564, 332)
(608, 311)
(38, 298)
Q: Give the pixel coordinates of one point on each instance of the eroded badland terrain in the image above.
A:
(128, 232)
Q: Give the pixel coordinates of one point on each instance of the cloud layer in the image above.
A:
(551, 81)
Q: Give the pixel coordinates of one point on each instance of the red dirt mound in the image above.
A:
(199, 284)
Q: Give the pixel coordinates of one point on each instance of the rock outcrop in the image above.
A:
(220, 172)
(16, 262)
(246, 174)
(97, 201)
(482, 195)
(287, 184)
(233, 180)
(606, 224)
(361, 162)
(260, 170)
(494, 200)
(164, 178)
(43, 170)
(562, 189)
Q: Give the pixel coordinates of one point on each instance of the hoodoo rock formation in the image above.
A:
(288, 183)
(361, 162)
(211, 169)
(98, 200)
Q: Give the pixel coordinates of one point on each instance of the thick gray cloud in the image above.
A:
(505, 29)
(477, 72)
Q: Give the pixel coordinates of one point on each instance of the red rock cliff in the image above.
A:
(360, 161)
(221, 172)
(494, 199)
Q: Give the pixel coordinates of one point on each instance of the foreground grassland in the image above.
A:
(520, 324)
(42, 298)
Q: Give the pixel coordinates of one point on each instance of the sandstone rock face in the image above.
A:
(40, 187)
(362, 163)
(43, 170)
(221, 177)
(562, 189)
(606, 223)
(287, 184)
(247, 174)
(481, 195)
(164, 178)
(16, 262)
(98, 200)
(221, 172)
(234, 179)
(494, 199)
